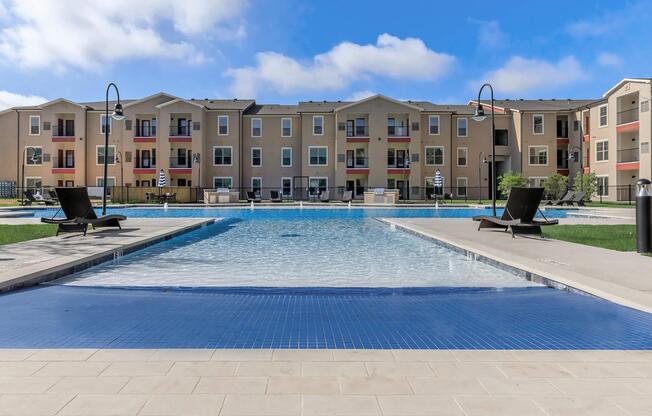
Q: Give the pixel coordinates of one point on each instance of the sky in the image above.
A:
(284, 51)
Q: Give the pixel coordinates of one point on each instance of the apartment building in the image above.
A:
(340, 145)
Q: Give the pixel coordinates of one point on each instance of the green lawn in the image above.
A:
(8, 202)
(24, 232)
(614, 237)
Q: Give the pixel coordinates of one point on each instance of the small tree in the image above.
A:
(587, 182)
(555, 185)
(509, 179)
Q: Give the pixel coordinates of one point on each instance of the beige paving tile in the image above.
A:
(123, 355)
(62, 355)
(375, 385)
(533, 370)
(104, 405)
(363, 355)
(344, 369)
(638, 355)
(640, 385)
(183, 405)
(634, 405)
(160, 385)
(303, 385)
(242, 355)
(437, 386)
(466, 370)
(33, 404)
(302, 355)
(423, 355)
(498, 406)
(138, 368)
(72, 368)
(231, 385)
(17, 385)
(272, 368)
(483, 355)
(182, 355)
(399, 369)
(258, 405)
(604, 369)
(15, 354)
(607, 355)
(419, 405)
(593, 387)
(89, 385)
(327, 405)
(578, 406)
(20, 368)
(203, 368)
(546, 355)
(519, 387)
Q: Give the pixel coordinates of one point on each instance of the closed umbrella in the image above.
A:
(439, 183)
(161, 179)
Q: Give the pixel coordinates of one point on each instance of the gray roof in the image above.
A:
(321, 106)
(272, 109)
(446, 108)
(221, 104)
(101, 105)
(541, 105)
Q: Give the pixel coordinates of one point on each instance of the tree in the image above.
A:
(509, 179)
(587, 182)
(555, 185)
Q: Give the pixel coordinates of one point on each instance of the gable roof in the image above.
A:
(60, 100)
(520, 105)
(224, 104)
(623, 82)
(272, 109)
(150, 97)
(320, 106)
(382, 97)
(179, 100)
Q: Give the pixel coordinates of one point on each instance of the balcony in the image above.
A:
(180, 134)
(357, 132)
(627, 120)
(398, 131)
(180, 165)
(63, 134)
(358, 164)
(628, 155)
(63, 165)
(145, 134)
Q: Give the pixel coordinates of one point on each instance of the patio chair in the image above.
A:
(275, 196)
(564, 199)
(53, 196)
(578, 199)
(518, 216)
(347, 196)
(30, 199)
(324, 196)
(253, 197)
(78, 209)
(169, 197)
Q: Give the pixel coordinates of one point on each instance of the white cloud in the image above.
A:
(490, 34)
(610, 60)
(360, 95)
(619, 21)
(520, 75)
(391, 57)
(10, 99)
(88, 34)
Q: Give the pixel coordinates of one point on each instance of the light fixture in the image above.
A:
(479, 114)
(118, 113)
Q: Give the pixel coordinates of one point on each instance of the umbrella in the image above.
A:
(439, 182)
(161, 179)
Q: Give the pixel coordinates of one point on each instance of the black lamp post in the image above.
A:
(580, 159)
(481, 160)
(480, 116)
(116, 115)
(196, 159)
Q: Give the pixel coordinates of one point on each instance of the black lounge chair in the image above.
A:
(578, 199)
(564, 199)
(518, 216)
(324, 196)
(347, 196)
(77, 207)
(53, 195)
(275, 196)
(30, 199)
(253, 197)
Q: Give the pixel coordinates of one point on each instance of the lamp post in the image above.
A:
(481, 160)
(480, 116)
(34, 159)
(116, 115)
(195, 159)
(118, 159)
(579, 152)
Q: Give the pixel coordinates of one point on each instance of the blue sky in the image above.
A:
(285, 51)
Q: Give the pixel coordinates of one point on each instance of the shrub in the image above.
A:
(509, 179)
(555, 185)
(587, 182)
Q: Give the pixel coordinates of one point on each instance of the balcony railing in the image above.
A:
(398, 131)
(627, 116)
(398, 163)
(180, 131)
(562, 132)
(562, 163)
(180, 162)
(628, 155)
(147, 131)
(66, 162)
(144, 163)
(357, 131)
(357, 162)
(62, 131)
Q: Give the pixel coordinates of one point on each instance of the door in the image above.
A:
(400, 185)
(60, 160)
(70, 183)
(181, 157)
(146, 161)
(70, 158)
(182, 127)
(349, 159)
(359, 188)
(70, 128)
(400, 158)
(145, 130)
(60, 127)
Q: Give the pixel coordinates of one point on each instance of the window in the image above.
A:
(431, 189)
(34, 183)
(286, 157)
(286, 127)
(34, 125)
(603, 185)
(576, 125)
(434, 155)
(462, 127)
(222, 182)
(318, 125)
(256, 127)
(538, 155)
(433, 125)
(222, 125)
(256, 157)
(537, 124)
(318, 155)
(603, 111)
(317, 185)
(462, 153)
(461, 186)
(110, 181)
(286, 186)
(536, 181)
(33, 156)
(602, 151)
(222, 156)
(104, 123)
(645, 106)
(110, 160)
(256, 184)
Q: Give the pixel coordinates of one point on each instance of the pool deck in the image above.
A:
(36, 261)
(619, 277)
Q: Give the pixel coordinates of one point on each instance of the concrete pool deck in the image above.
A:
(32, 262)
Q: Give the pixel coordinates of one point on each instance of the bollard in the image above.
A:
(643, 216)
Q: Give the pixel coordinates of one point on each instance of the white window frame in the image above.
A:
(27, 178)
(543, 124)
(466, 126)
(291, 156)
(443, 158)
(547, 155)
(313, 125)
(282, 120)
(103, 116)
(291, 187)
(97, 154)
(26, 159)
(39, 125)
(603, 151)
(317, 147)
(606, 115)
(230, 178)
(538, 179)
(101, 178)
(222, 147)
(251, 155)
(466, 186)
(457, 157)
(431, 117)
(310, 178)
(219, 116)
(252, 127)
(251, 183)
(597, 187)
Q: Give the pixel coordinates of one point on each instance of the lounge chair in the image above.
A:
(324, 196)
(53, 195)
(518, 216)
(578, 199)
(564, 199)
(347, 196)
(77, 207)
(30, 199)
(275, 196)
(253, 197)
